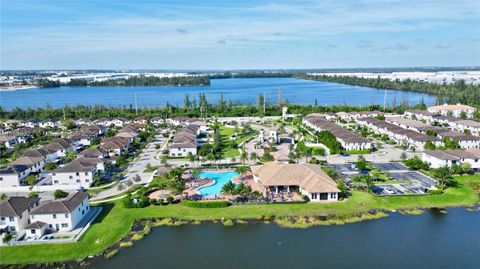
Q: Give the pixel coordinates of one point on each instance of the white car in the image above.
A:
(389, 190)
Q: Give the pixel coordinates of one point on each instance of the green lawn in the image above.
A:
(116, 221)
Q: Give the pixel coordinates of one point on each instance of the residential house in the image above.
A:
(64, 214)
(13, 175)
(140, 120)
(50, 123)
(8, 140)
(269, 135)
(453, 110)
(14, 213)
(157, 121)
(184, 142)
(79, 172)
(439, 158)
(115, 145)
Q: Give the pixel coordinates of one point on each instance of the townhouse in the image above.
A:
(184, 142)
(115, 145)
(140, 120)
(13, 175)
(8, 140)
(50, 123)
(14, 213)
(398, 134)
(157, 121)
(453, 110)
(439, 158)
(348, 139)
(353, 116)
(79, 172)
(269, 135)
(60, 215)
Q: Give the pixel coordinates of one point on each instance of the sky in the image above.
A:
(244, 34)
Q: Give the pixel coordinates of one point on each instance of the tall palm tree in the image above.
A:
(244, 156)
(228, 189)
(253, 157)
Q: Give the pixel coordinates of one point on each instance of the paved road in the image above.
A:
(147, 156)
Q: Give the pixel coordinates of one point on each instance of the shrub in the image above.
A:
(59, 194)
(153, 201)
(126, 244)
(305, 198)
(137, 236)
(228, 222)
(110, 254)
(209, 204)
(170, 199)
(160, 201)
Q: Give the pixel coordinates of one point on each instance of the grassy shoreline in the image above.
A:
(116, 221)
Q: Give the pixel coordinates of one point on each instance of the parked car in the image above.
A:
(343, 154)
(389, 190)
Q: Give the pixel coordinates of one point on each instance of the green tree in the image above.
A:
(443, 175)
(228, 188)
(50, 166)
(59, 194)
(31, 180)
(253, 157)
(244, 157)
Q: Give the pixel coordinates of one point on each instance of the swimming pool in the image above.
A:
(221, 178)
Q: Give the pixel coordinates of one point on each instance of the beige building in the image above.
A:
(308, 179)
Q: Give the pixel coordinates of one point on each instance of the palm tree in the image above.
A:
(307, 153)
(443, 175)
(244, 156)
(191, 157)
(243, 189)
(253, 157)
(228, 189)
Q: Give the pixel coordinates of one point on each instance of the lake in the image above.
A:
(432, 240)
(238, 90)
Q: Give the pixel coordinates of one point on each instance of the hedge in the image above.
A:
(209, 204)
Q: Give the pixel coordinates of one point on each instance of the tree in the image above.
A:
(403, 156)
(50, 166)
(308, 152)
(244, 157)
(137, 178)
(253, 157)
(30, 180)
(191, 157)
(361, 164)
(59, 194)
(32, 194)
(243, 189)
(3, 196)
(170, 199)
(70, 156)
(443, 175)
(342, 187)
(241, 169)
(416, 163)
(228, 188)
(429, 145)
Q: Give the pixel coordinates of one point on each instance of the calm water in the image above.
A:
(220, 179)
(242, 90)
(432, 240)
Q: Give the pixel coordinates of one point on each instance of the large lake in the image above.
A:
(432, 240)
(240, 90)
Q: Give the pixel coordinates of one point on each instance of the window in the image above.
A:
(54, 216)
(2, 218)
(87, 180)
(1, 178)
(32, 231)
(64, 225)
(70, 177)
(55, 181)
(86, 173)
(11, 218)
(323, 196)
(66, 215)
(78, 180)
(77, 173)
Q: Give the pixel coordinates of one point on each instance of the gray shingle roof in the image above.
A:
(66, 205)
(16, 205)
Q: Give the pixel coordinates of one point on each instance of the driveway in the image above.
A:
(147, 156)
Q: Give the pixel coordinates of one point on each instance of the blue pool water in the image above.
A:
(221, 178)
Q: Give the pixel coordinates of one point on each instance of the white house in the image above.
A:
(439, 158)
(270, 135)
(308, 179)
(184, 142)
(157, 121)
(13, 175)
(62, 215)
(14, 213)
(453, 110)
(50, 123)
(8, 140)
(78, 173)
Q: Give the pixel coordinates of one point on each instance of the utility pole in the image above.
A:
(136, 106)
(264, 102)
(385, 101)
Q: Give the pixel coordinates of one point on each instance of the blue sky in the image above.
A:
(87, 34)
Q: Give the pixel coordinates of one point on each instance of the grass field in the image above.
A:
(115, 221)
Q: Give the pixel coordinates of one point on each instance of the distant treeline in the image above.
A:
(252, 75)
(458, 92)
(195, 109)
(132, 81)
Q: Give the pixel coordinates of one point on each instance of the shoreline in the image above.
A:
(17, 88)
(142, 227)
(116, 222)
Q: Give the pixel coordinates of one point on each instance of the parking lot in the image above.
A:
(390, 166)
(346, 169)
(413, 183)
